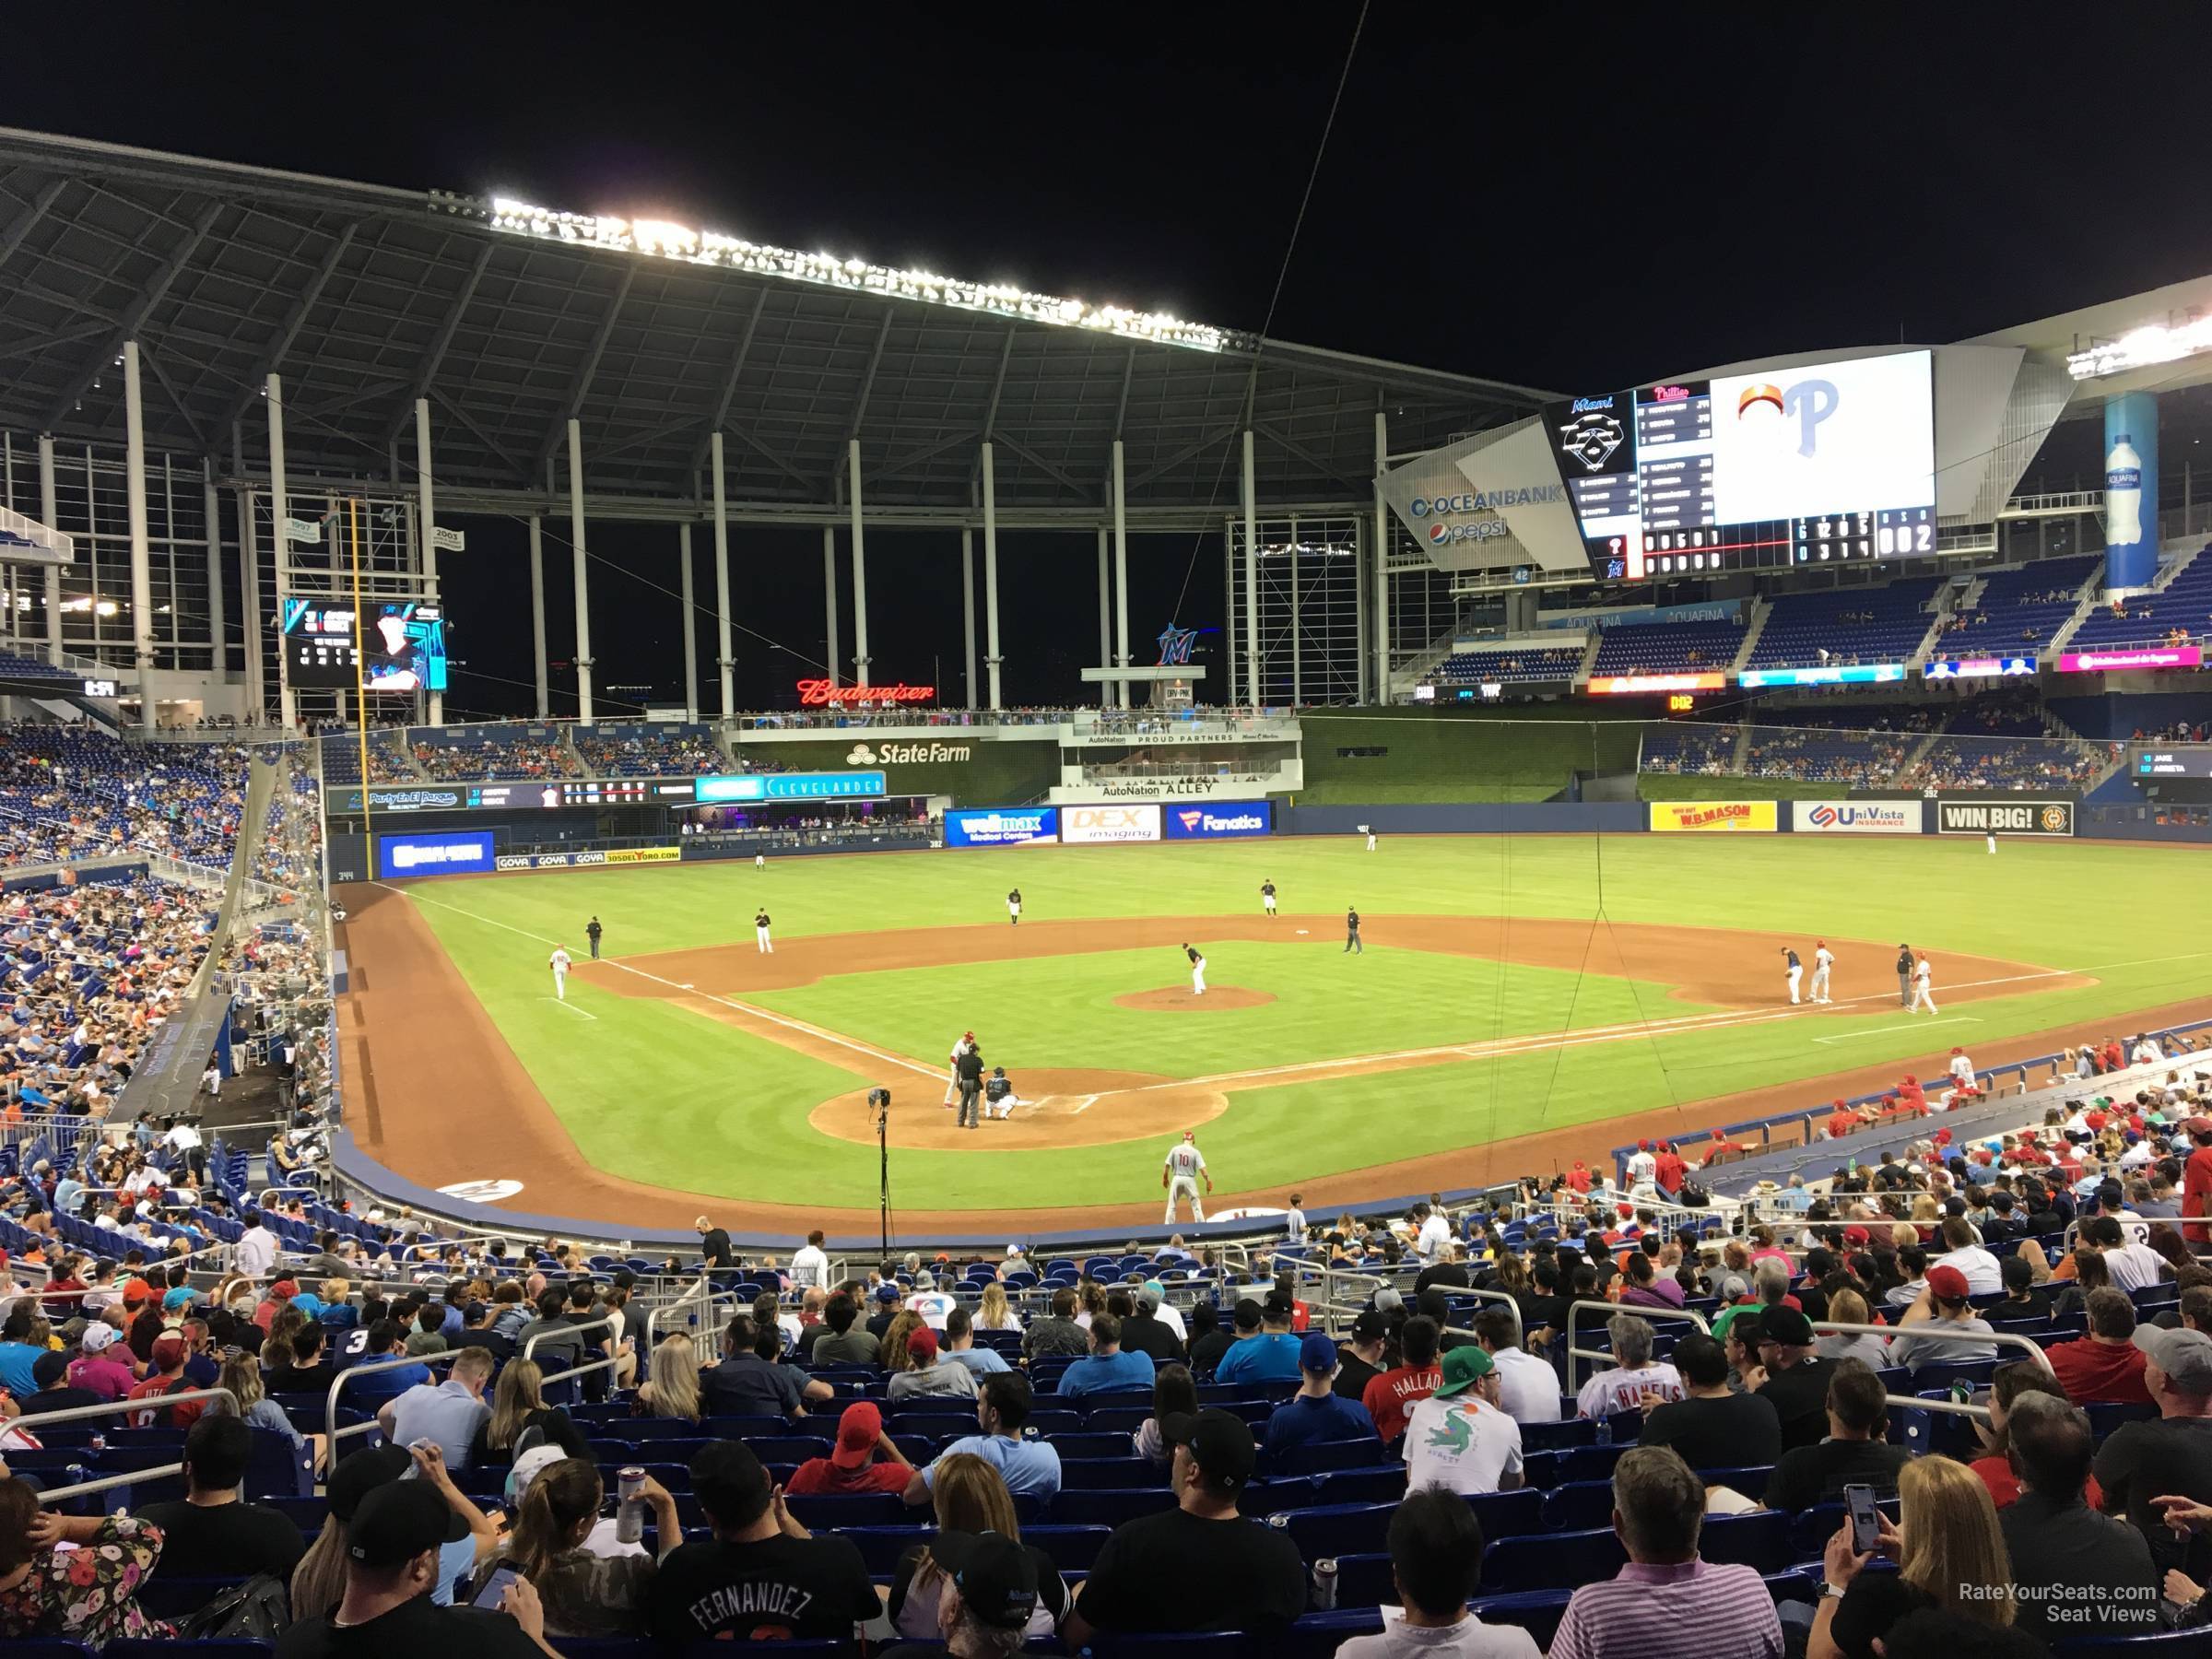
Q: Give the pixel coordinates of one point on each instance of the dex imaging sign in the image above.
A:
(1235, 822)
(1093, 826)
(466, 852)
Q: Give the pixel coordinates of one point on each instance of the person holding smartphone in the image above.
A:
(582, 1592)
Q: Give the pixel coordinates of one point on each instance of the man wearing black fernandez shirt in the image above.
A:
(1200, 1566)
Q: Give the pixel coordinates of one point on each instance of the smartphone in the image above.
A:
(495, 1587)
(1866, 1520)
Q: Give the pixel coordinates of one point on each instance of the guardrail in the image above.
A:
(1919, 1333)
(1609, 1310)
(77, 1414)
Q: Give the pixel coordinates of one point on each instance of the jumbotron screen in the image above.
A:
(406, 646)
(1775, 468)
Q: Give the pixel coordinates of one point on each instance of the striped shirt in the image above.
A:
(1692, 1610)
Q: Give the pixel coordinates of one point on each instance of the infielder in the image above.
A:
(1185, 1169)
(1351, 935)
(766, 945)
(1823, 959)
(1792, 970)
(1267, 898)
(559, 963)
(1923, 993)
(1198, 973)
(1904, 977)
(1014, 907)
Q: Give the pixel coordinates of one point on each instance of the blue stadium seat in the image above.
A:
(1551, 1560)
(1337, 1529)
(1109, 1509)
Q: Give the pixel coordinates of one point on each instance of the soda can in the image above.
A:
(1325, 1584)
(629, 1511)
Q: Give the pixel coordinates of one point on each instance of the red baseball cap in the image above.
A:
(1948, 1283)
(1856, 1235)
(921, 1342)
(857, 1432)
(1643, 1145)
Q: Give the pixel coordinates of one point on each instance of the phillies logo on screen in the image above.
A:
(1809, 402)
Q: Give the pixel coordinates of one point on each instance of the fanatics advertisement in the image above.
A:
(1721, 817)
(1009, 827)
(1244, 818)
(465, 852)
(1090, 826)
(1857, 817)
(2030, 817)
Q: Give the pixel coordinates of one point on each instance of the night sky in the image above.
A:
(1587, 197)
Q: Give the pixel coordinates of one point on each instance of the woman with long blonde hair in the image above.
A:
(518, 1398)
(994, 1313)
(672, 1391)
(971, 1498)
(1947, 1544)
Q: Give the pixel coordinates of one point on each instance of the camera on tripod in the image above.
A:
(879, 1103)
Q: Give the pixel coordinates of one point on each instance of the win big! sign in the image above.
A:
(2011, 816)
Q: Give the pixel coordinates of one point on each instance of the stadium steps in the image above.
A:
(1761, 610)
(1582, 675)
(1920, 751)
(1938, 613)
(1740, 763)
(262, 781)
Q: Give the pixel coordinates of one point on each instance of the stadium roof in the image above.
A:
(512, 319)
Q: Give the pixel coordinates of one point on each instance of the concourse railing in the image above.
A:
(122, 1409)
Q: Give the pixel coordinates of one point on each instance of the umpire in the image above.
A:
(591, 932)
(1904, 976)
(969, 1070)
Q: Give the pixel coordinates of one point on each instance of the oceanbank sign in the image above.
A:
(1491, 499)
(1440, 508)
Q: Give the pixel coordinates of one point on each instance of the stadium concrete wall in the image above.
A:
(1473, 818)
(988, 770)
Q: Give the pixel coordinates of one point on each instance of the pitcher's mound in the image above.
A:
(1180, 999)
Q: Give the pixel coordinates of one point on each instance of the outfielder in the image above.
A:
(1267, 898)
(1370, 841)
(1924, 991)
(766, 946)
(1197, 971)
(760, 861)
(559, 963)
(1991, 837)
(1014, 907)
(1792, 970)
(1185, 1169)
(1823, 959)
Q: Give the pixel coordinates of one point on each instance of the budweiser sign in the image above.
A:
(816, 693)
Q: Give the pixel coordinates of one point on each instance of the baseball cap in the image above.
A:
(857, 1432)
(399, 1521)
(360, 1474)
(1388, 1298)
(2198, 1125)
(99, 1338)
(1369, 1327)
(1463, 1368)
(168, 1349)
(1317, 1354)
(47, 1368)
(1220, 1442)
(179, 1297)
(1278, 1305)
(1856, 1235)
(997, 1583)
(136, 1292)
(887, 1292)
(1786, 1325)
(921, 1342)
(2184, 1356)
(1948, 1283)
(528, 1466)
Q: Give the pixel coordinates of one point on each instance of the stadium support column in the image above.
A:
(1381, 605)
(830, 595)
(968, 606)
(48, 507)
(584, 586)
(211, 507)
(537, 617)
(141, 574)
(990, 661)
(2131, 489)
(428, 516)
(723, 657)
(280, 532)
(249, 600)
(860, 569)
(1121, 573)
(1105, 622)
(1251, 581)
(683, 554)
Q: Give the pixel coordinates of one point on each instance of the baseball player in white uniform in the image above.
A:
(1823, 959)
(1014, 907)
(1370, 841)
(559, 963)
(1197, 971)
(765, 946)
(1991, 837)
(1792, 970)
(760, 861)
(1267, 897)
(952, 1077)
(1185, 1169)
(1961, 1069)
(1923, 993)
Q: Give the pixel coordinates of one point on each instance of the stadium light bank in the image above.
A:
(662, 238)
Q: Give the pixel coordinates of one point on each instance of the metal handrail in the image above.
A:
(1910, 1332)
(1609, 1309)
(370, 1367)
(684, 1303)
(530, 1348)
(85, 1413)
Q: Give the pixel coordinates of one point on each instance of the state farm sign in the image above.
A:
(907, 754)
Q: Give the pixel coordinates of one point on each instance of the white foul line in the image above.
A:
(1881, 1030)
(564, 1003)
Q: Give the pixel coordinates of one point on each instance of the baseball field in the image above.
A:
(1520, 1000)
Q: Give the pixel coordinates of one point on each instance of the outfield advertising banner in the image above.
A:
(1096, 825)
(1853, 674)
(1637, 685)
(1857, 817)
(1714, 817)
(466, 852)
(549, 861)
(634, 856)
(792, 786)
(2031, 816)
(1957, 668)
(2108, 662)
(1004, 826)
(1236, 821)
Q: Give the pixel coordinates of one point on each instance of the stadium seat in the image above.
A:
(1552, 1561)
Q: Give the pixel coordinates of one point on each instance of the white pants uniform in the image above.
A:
(1820, 983)
(760, 861)
(1013, 910)
(760, 938)
(1268, 902)
(1794, 974)
(1179, 1188)
(1198, 977)
(560, 983)
(1924, 994)
(1370, 841)
(1993, 842)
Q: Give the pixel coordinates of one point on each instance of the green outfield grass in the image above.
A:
(665, 1092)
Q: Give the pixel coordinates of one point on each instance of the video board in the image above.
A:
(1769, 469)
(406, 642)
